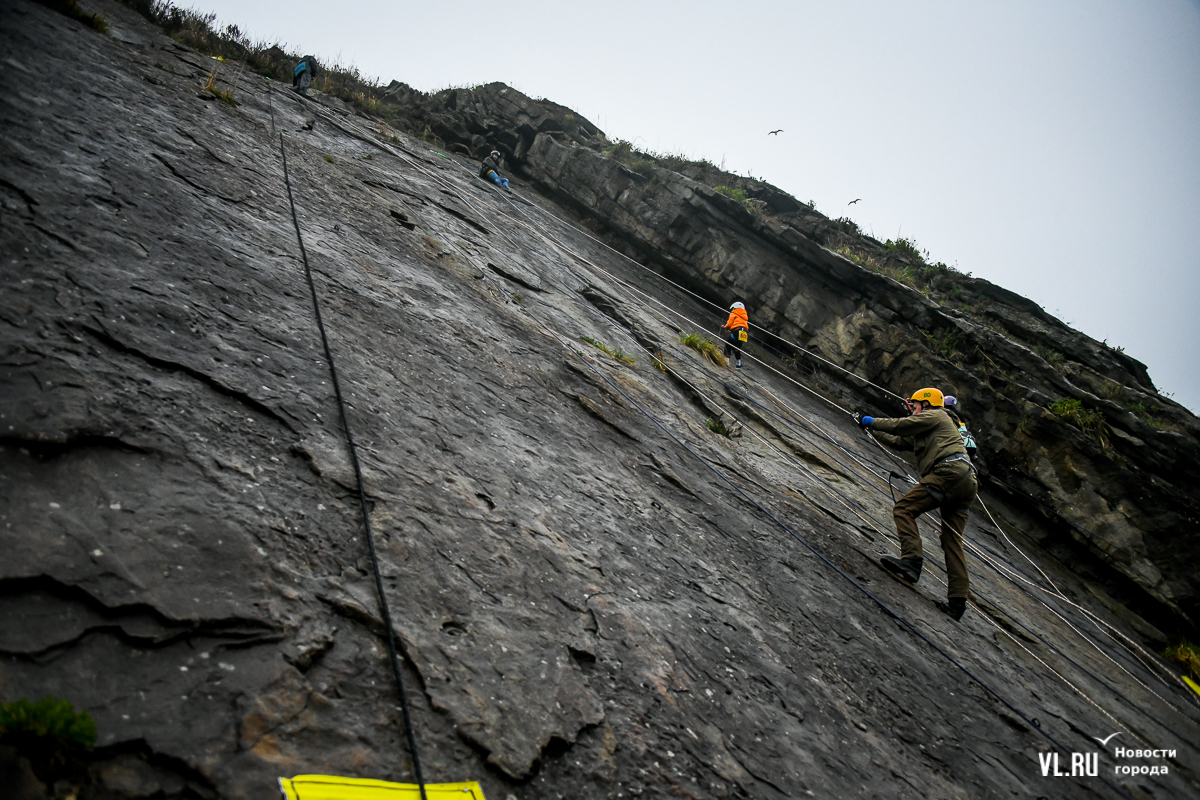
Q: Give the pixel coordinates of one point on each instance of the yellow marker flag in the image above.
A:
(331, 787)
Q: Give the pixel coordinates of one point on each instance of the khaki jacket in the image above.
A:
(931, 435)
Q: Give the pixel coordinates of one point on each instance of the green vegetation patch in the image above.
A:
(747, 202)
(638, 161)
(197, 29)
(1052, 357)
(945, 342)
(704, 346)
(599, 345)
(716, 427)
(225, 95)
(1088, 420)
(857, 257)
(50, 718)
(906, 249)
(1145, 411)
(1186, 655)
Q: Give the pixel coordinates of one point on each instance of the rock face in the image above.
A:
(1118, 499)
(595, 594)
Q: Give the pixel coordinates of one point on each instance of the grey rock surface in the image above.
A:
(594, 594)
(1122, 505)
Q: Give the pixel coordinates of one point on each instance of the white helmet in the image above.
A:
(736, 305)
(494, 154)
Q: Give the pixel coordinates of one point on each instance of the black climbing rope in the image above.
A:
(362, 492)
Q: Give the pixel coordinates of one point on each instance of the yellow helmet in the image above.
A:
(931, 396)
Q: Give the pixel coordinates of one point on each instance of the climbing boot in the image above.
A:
(954, 608)
(906, 569)
(739, 365)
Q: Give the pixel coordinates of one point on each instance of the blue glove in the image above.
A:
(866, 421)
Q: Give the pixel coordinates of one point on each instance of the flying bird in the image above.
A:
(852, 202)
(773, 133)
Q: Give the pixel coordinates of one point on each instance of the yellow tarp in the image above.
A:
(331, 787)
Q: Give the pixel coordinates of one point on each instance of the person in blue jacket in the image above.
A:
(302, 76)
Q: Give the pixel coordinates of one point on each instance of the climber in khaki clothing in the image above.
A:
(947, 480)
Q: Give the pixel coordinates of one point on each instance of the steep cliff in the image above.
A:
(594, 593)
(1120, 488)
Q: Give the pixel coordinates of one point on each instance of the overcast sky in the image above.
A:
(1050, 147)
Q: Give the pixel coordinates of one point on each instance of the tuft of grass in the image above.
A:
(656, 358)
(617, 354)
(907, 274)
(636, 160)
(329, 159)
(945, 342)
(1147, 412)
(756, 207)
(906, 249)
(211, 86)
(846, 226)
(1088, 420)
(704, 346)
(716, 427)
(855, 256)
(49, 718)
(735, 194)
(1186, 655)
(1052, 357)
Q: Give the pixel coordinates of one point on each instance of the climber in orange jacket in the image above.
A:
(738, 326)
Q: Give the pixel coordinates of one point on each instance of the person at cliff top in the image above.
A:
(489, 169)
(951, 406)
(947, 481)
(738, 326)
(302, 76)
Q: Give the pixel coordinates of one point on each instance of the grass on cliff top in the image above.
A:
(636, 160)
(71, 9)
(756, 207)
(704, 346)
(196, 29)
(617, 354)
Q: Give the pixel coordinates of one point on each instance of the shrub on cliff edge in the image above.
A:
(49, 733)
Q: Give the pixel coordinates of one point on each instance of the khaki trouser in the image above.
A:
(953, 487)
